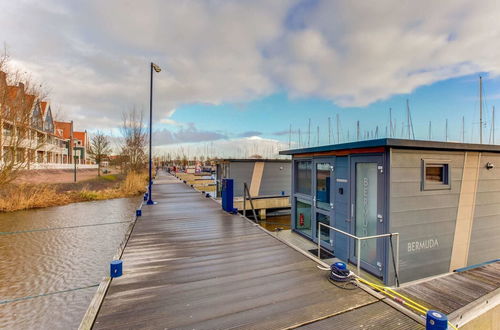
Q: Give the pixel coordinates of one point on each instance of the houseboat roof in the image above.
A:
(371, 145)
(227, 160)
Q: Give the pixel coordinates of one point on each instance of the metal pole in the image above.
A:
(319, 242)
(358, 243)
(397, 255)
(244, 200)
(150, 200)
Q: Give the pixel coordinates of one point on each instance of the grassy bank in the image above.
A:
(27, 196)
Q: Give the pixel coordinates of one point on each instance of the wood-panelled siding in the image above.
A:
(485, 236)
(425, 219)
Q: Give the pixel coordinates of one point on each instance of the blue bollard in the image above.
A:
(282, 193)
(436, 321)
(116, 268)
(138, 212)
(145, 196)
(340, 265)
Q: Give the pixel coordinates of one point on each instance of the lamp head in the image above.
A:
(156, 67)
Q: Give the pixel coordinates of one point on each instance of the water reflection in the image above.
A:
(57, 250)
(276, 222)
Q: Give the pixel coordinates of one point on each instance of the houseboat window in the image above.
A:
(435, 175)
(304, 177)
(323, 186)
(325, 231)
(303, 218)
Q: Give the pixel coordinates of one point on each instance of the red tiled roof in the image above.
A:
(65, 127)
(82, 136)
(43, 107)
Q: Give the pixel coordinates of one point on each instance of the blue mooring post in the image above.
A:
(138, 212)
(116, 268)
(436, 321)
(227, 195)
(145, 196)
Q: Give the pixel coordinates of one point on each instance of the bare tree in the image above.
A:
(21, 126)
(134, 140)
(99, 148)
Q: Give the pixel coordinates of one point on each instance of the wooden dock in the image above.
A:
(188, 265)
(459, 294)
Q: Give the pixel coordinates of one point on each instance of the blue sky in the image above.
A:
(269, 117)
(236, 72)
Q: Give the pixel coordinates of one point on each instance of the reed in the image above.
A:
(26, 196)
(21, 197)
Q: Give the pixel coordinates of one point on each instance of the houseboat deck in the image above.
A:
(187, 264)
(458, 293)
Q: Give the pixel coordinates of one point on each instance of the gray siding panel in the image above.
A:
(240, 172)
(277, 177)
(485, 236)
(341, 205)
(425, 219)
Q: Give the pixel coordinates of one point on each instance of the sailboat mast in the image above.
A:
(446, 130)
(290, 137)
(480, 109)
(317, 136)
(309, 134)
(338, 129)
(463, 129)
(329, 131)
(390, 122)
(357, 130)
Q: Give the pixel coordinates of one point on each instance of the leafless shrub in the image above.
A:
(99, 149)
(134, 136)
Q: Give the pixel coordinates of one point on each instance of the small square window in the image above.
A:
(435, 175)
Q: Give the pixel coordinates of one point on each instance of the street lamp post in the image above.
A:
(157, 69)
(74, 161)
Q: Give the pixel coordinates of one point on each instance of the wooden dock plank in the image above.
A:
(188, 265)
(380, 316)
(455, 291)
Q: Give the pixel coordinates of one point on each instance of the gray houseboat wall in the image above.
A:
(443, 199)
(264, 177)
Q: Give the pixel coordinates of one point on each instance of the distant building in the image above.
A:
(44, 141)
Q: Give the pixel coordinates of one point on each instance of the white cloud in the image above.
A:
(95, 55)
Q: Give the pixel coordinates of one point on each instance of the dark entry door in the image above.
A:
(367, 191)
(323, 178)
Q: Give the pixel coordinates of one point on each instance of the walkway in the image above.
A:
(188, 265)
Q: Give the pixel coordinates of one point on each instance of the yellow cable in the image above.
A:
(407, 301)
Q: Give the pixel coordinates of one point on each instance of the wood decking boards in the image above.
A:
(452, 292)
(188, 265)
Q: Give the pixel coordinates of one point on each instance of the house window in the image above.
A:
(435, 175)
(303, 185)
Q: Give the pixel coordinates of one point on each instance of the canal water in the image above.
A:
(52, 260)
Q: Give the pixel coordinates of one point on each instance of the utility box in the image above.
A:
(228, 195)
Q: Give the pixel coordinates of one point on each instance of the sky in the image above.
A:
(238, 76)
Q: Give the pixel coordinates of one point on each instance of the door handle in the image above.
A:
(351, 216)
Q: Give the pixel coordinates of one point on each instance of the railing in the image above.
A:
(245, 192)
(358, 244)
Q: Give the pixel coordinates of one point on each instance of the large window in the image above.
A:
(323, 186)
(435, 175)
(303, 218)
(303, 183)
